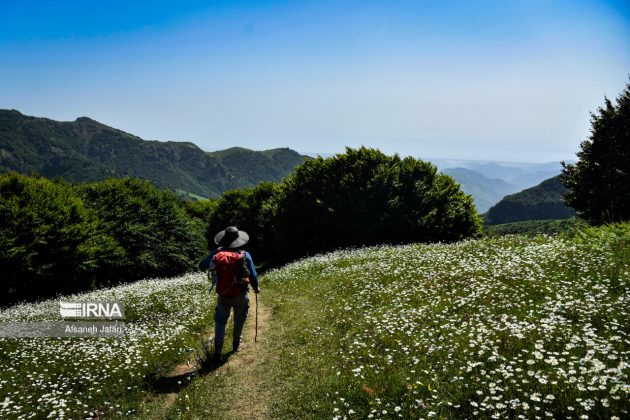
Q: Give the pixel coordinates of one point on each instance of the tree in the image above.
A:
(200, 209)
(599, 183)
(49, 241)
(364, 197)
(158, 237)
(251, 210)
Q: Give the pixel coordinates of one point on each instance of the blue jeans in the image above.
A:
(222, 313)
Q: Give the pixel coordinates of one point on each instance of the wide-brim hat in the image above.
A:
(231, 237)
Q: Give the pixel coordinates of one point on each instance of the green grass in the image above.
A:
(497, 327)
(73, 377)
(534, 227)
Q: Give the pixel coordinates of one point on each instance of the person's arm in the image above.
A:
(205, 263)
(253, 276)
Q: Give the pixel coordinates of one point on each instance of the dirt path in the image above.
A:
(243, 394)
(244, 367)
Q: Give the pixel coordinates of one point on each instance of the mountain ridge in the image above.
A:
(87, 150)
(542, 202)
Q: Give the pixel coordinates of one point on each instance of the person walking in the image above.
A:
(234, 271)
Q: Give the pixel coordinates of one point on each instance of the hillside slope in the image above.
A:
(520, 174)
(86, 150)
(541, 202)
(485, 191)
(494, 328)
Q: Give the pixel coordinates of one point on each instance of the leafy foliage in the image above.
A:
(86, 150)
(361, 197)
(201, 209)
(542, 202)
(153, 229)
(534, 227)
(364, 197)
(61, 238)
(252, 210)
(599, 183)
(49, 242)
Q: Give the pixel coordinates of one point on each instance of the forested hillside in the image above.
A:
(86, 150)
(541, 202)
(62, 237)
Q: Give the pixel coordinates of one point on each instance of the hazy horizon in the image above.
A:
(311, 153)
(492, 81)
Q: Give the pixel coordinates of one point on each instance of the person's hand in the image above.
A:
(257, 291)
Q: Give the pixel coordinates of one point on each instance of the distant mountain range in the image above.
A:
(542, 202)
(521, 174)
(488, 182)
(485, 191)
(86, 150)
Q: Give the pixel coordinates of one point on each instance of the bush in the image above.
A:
(364, 197)
(150, 225)
(49, 242)
(534, 227)
(200, 209)
(361, 197)
(251, 210)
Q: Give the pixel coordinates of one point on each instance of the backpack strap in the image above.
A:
(246, 272)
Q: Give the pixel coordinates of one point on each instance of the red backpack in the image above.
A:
(232, 272)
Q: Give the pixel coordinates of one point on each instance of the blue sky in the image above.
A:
(507, 80)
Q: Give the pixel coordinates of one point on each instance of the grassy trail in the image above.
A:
(234, 390)
(246, 396)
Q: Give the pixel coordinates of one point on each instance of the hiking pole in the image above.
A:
(256, 335)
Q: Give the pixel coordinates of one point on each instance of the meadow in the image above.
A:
(518, 327)
(93, 377)
(508, 327)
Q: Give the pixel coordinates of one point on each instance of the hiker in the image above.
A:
(234, 270)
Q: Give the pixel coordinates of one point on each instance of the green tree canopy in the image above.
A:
(200, 209)
(364, 197)
(599, 183)
(251, 210)
(49, 242)
(150, 224)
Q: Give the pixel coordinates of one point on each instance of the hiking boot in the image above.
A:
(238, 347)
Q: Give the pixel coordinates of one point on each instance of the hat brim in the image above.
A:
(242, 239)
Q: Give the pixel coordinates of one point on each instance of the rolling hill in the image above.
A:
(485, 191)
(489, 181)
(86, 150)
(520, 174)
(541, 202)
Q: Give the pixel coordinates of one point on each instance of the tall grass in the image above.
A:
(90, 377)
(498, 328)
(504, 327)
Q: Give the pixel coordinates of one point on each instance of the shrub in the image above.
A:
(200, 209)
(150, 225)
(251, 210)
(49, 242)
(361, 197)
(364, 197)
